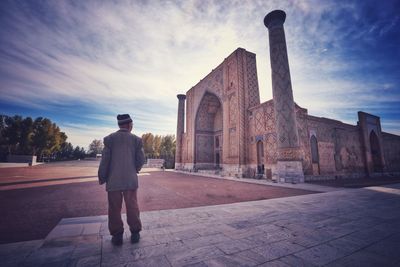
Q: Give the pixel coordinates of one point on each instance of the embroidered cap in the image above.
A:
(123, 119)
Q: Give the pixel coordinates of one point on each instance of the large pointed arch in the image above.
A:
(208, 132)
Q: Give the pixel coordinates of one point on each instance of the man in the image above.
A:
(122, 159)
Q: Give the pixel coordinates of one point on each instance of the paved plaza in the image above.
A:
(349, 227)
(34, 200)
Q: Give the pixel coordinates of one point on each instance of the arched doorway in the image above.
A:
(260, 157)
(208, 133)
(314, 155)
(375, 152)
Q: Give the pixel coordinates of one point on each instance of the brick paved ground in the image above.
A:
(352, 227)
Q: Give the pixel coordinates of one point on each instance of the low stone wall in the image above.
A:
(154, 163)
(31, 160)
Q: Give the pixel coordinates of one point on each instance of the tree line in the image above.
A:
(160, 147)
(155, 147)
(44, 139)
(40, 137)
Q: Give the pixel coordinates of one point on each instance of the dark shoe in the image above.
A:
(135, 237)
(116, 240)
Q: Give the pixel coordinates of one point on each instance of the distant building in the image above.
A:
(228, 130)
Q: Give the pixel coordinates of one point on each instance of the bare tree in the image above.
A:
(96, 147)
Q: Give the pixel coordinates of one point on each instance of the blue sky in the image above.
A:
(80, 63)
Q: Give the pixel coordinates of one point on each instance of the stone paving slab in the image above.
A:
(355, 227)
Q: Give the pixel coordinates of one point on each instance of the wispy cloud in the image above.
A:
(91, 60)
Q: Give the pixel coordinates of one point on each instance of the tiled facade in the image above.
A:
(227, 129)
(225, 123)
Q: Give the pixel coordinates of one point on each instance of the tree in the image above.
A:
(157, 145)
(3, 140)
(148, 139)
(167, 150)
(66, 151)
(46, 138)
(79, 153)
(58, 138)
(96, 147)
(25, 136)
(2, 122)
(12, 132)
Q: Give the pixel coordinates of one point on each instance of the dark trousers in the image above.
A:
(115, 224)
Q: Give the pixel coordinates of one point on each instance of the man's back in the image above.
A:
(122, 158)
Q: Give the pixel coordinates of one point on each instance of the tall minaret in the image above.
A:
(289, 166)
(180, 130)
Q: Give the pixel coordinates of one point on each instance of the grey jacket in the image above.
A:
(122, 159)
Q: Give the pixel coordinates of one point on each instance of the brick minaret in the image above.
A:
(180, 130)
(289, 165)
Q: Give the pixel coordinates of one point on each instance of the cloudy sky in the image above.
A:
(80, 63)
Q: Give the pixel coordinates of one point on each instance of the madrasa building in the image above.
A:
(229, 132)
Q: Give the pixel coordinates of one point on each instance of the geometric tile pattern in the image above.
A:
(180, 128)
(282, 90)
(269, 117)
(259, 121)
(252, 81)
(232, 110)
(304, 139)
(242, 119)
(215, 83)
(271, 149)
(233, 144)
(232, 75)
